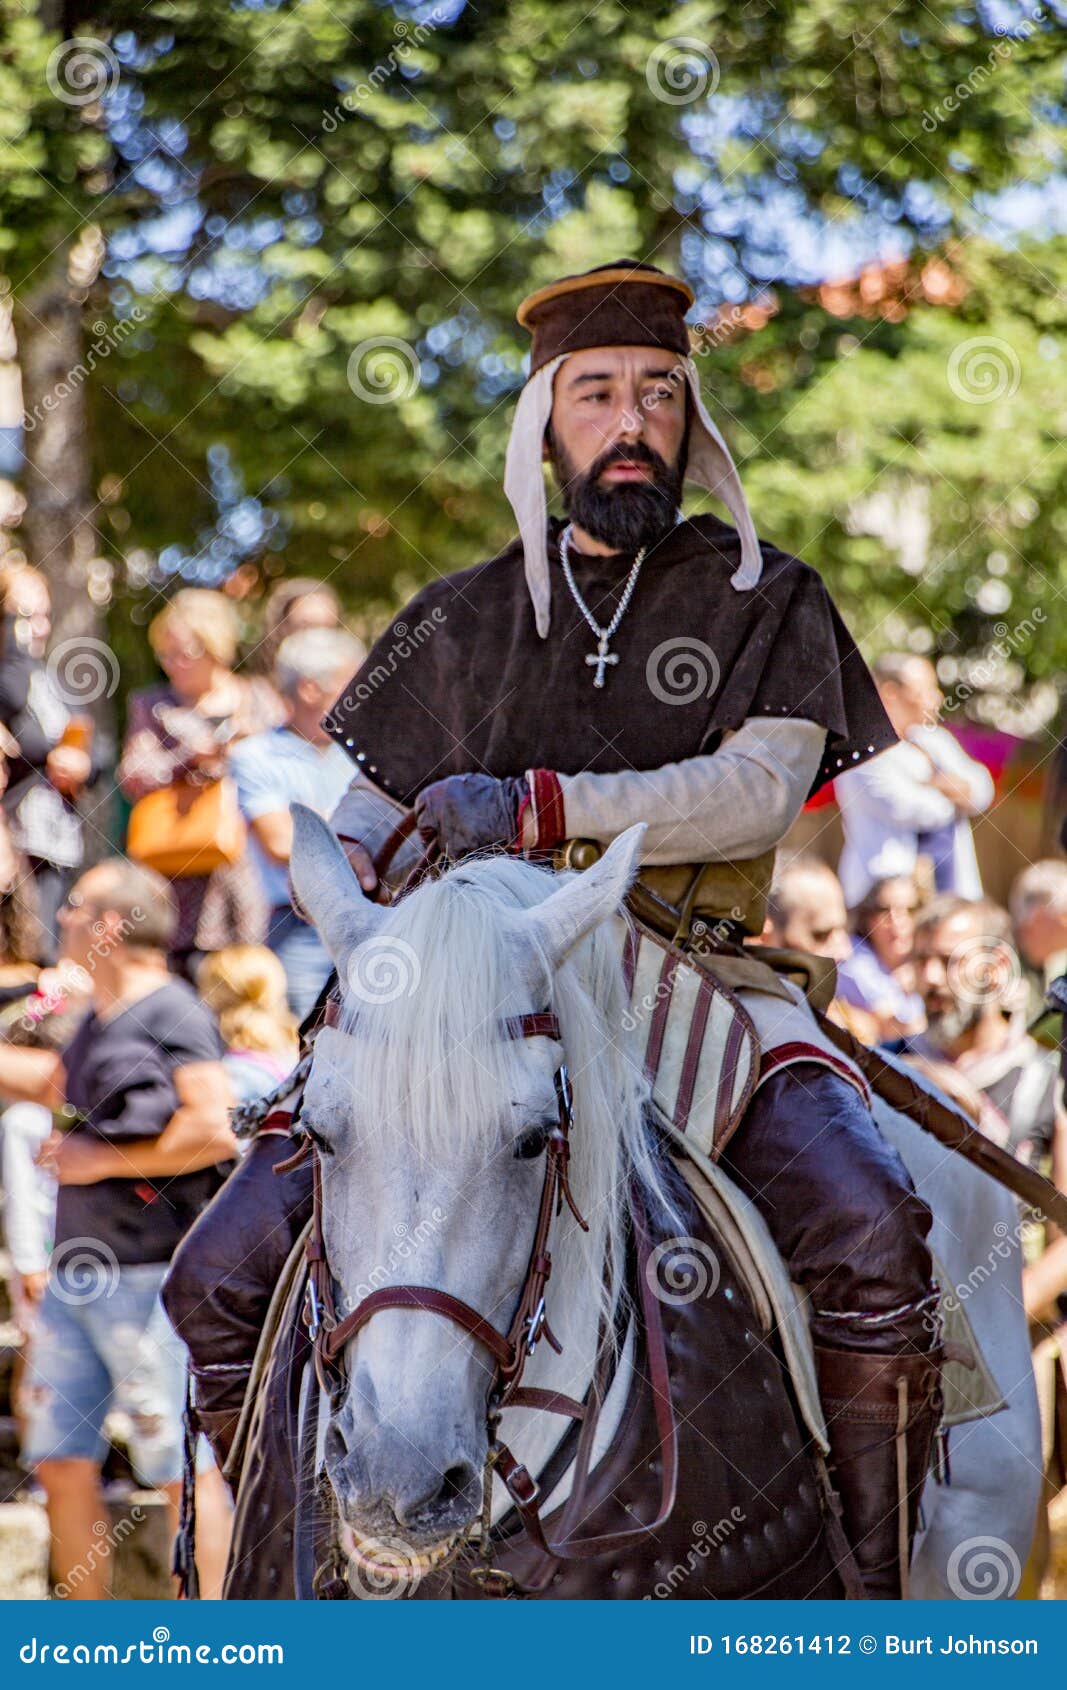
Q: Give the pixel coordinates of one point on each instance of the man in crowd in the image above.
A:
(1038, 905)
(806, 912)
(295, 763)
(916, 799)
(146, 1106)
(968, 977)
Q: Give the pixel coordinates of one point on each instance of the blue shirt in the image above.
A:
(275, 769)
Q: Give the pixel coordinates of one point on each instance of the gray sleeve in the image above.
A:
(732, 804)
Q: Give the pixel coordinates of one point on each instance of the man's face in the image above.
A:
(616, 436)
(959, 972)
(86, 924)
(818, 920)
(915, 700)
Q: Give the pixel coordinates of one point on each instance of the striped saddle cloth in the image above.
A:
(700, 1049)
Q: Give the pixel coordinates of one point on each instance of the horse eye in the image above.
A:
(532, 1143)
(316, 1138)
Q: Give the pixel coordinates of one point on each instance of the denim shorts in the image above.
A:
(102, 1342)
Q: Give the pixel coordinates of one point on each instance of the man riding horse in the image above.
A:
(623, 665)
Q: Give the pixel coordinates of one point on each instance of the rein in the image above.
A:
(510, 1351)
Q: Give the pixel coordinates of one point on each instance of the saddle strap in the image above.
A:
(524, 1490)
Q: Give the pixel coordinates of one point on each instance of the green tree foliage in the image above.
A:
(326, 213)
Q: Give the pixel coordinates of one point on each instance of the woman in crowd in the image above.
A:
(179, 732)
(48, 761)
(877, 974)
(244, 987)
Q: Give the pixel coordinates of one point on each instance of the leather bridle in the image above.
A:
(330, 1335)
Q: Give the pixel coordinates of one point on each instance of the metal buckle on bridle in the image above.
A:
(535, 1326)
(314, 1311)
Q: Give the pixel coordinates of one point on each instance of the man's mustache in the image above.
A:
(638, 454)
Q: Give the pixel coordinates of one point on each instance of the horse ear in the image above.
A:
(582, 903)
(326, 888)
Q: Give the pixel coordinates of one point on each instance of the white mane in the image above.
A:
(434, 1059)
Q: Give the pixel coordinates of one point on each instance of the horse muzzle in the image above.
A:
(390, 1492)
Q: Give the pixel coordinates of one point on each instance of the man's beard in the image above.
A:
(624, 515)
(947, 1021)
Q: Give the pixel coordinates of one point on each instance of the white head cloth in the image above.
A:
(709, 464)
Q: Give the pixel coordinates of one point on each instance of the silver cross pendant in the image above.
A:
(601, 658)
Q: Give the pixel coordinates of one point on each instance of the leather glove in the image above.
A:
(469, 812)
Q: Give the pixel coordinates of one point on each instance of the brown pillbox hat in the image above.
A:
(625, 303)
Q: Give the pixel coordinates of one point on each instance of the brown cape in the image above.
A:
(461, 681)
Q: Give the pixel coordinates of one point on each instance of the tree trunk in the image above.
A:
(59, 528)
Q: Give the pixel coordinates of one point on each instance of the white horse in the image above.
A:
(431, 1129)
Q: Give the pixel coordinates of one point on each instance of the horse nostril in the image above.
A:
(456, 1492)
(456, 1483)
(334, 1446)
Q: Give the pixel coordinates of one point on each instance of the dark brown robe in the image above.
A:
(461, 681)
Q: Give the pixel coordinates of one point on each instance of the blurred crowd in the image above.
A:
(143, 993)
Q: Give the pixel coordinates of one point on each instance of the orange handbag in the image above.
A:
(187, 829)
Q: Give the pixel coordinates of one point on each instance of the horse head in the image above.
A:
(431, 1126)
